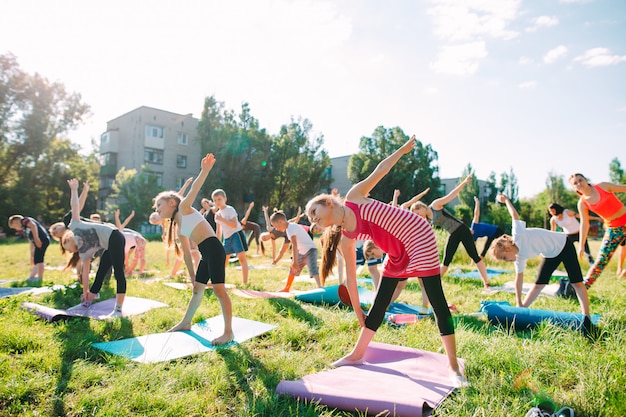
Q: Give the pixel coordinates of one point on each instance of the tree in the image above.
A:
(298, 166)
(132, 192)
(35, 159)
(412, 174)
(617, 176)
(508, 185)
(471, 189)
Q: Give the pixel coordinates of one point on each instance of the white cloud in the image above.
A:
(462, 59)
(430, 91)
(473, 19)
(542, 22)
(527, 84)
(575, 1)
(622, 110)
(524, 60)
(599, 57)
(555, 54)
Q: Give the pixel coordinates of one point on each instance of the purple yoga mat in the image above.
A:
(394, 379)
(98, 310)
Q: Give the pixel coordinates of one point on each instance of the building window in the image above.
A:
(183, 139)
(154, 131)
(153, 156)
(180, 182)
(181, 161)
(104, 138)
(157, 175)
(109, 158)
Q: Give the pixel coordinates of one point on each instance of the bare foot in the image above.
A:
(451, 307)
(180, 326)
(347, 361)
(223, 339)
(285, 290)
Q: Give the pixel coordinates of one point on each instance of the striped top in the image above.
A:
(406, 238)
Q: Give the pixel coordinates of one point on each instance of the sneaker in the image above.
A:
(565, 412)
(115, 314)
(537, 412)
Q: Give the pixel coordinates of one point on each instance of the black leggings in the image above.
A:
(575, 237)
(434, 292)
(112, 257)
(570, 260)
(461, 235)
(211, 264)
(490, 239)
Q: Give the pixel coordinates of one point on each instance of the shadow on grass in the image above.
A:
(290, 308)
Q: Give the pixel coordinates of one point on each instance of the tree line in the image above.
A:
(282, 170)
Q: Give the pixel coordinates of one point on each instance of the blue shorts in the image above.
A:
(309, 259)
(235, 243)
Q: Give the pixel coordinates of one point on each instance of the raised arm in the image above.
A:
(613, 188)
(74, 202)
(206, 165)
(83, 196)
(268, 225)
(121, 225)
(363, 188)
(245, 217)
(394, 200)
(476, 210)
(185, 186)
(502, 198)
(415, 199)
(442, 201)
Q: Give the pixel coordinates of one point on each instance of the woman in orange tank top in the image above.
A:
(600, 199)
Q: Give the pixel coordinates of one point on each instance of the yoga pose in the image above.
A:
(411, 250)
(83, 240)
(193, 227)
(39, 241)
(600, 199)
(554, 248)
(490, 231)
(303, 248)
(228, 225)
(253, 228)
(459, 232)
(135, 244)
(566, 220)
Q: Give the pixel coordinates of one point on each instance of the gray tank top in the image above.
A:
(444, 219)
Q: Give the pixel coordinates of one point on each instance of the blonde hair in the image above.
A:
(75, 258)
(57, 230)
(418, 205)
(170, 195)
(368, 245)
(501, 245)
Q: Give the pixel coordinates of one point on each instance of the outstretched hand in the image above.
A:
(409, 145)
(208, 161)
(501, 198)
(73, 183)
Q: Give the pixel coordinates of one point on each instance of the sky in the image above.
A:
(533, 87)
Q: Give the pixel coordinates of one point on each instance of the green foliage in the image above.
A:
(471, 190)
(132, 192)
(464, 213)
(617, 176)
(412, 173)
(35, 159)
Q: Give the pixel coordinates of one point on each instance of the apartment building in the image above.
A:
(163, 141)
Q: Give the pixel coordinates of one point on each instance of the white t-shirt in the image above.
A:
(228, 213)
(534, 242)
(569, 224)
(90, 237)
(305, 243)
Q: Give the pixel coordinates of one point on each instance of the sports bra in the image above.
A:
(607, 206)
(189, 222)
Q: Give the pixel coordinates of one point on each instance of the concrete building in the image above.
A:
(163, 141)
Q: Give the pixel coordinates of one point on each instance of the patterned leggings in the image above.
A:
(612, 239)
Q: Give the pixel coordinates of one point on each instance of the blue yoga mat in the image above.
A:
(491, 273)
(162, 347)
(501, 312)
(330, 295)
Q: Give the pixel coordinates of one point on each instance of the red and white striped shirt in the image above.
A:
(406, 238)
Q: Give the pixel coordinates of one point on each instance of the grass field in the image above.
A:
(52, 369)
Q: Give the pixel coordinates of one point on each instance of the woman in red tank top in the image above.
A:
(601, 200)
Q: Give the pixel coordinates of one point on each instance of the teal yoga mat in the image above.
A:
(491, 273)
(160, 347)
(330, 295)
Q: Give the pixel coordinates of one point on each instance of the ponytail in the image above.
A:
(170, 239)
(330, 242)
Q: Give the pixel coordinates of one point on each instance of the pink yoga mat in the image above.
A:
(261, 294)
(398, 380)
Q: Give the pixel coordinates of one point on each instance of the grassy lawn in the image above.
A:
(52, 370)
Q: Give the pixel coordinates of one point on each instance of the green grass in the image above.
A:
(52, 370)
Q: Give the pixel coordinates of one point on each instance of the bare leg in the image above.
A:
(457, 377)
(398, 290)
(621, 257)
(244, 266)
(443, 270)
(194, 303)
(483, 273)
(532, 294)
(358, 352)
(224, 299)
(583, 297)
(317, 281)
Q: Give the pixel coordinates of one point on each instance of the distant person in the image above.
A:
(568, 222)
(193, 227)
(234, 239)
(39, 241)
(600, 199)
(490, 231)
(253, 228)
(437, 214)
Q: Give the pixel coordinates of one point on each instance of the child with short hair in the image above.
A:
(304, 249)
(192, 227)
(39, 241)
(234, 239)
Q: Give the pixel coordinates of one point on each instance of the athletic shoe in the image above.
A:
(458, 381)
(115, 314)
(565, 412)
(538, 412)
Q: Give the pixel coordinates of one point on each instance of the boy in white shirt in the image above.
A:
(304, 249)
(234, 238)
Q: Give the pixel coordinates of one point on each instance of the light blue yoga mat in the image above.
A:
(501, 312)
(491, 273)
(330, 295)
(160, 347)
